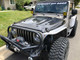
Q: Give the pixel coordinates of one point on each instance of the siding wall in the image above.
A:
(0, 2)
(7, 4)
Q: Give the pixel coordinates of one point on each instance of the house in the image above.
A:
(8, 4)
(11, 4)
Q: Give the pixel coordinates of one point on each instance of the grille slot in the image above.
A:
(26, 34)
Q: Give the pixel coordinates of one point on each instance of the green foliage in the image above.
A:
(20, 4)
(28, 1)
(19, 7)
(0, 8)
(76, 2)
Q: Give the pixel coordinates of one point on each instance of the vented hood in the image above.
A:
(43, 24)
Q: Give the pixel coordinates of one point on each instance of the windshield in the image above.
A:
(58, 7)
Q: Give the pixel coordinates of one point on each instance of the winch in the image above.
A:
(20, 41)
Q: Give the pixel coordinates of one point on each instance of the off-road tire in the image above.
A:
(73, 33)
(59, 49)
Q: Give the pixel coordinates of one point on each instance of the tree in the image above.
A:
(28, 1)
(20, 4)
(76, 2)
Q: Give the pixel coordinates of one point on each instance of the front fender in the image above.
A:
(72, 21)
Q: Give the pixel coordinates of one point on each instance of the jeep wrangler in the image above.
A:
(47, 30)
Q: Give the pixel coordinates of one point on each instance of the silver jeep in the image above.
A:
(46, 31)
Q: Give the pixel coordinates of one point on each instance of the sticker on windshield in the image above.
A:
(44, 3)
(52, 3)
(62, 3)
(59, 3)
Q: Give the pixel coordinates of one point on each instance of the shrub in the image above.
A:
(20, 4)
(0, 8)
(8, 8)
(19, 7)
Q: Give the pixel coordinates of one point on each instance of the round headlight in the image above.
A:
(36, 39)
(14, 33)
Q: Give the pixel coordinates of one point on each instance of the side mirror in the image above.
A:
(32, 11)
(74, 12)
(65, 14)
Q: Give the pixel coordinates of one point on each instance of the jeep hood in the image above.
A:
(43, 24)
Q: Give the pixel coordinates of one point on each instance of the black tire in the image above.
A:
(73, 33)
(59, 49)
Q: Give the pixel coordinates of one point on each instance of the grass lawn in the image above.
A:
(8, 18)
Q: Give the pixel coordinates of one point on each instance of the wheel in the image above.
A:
(59, 49)
(73, 33)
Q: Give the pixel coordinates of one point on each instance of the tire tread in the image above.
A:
(58, 49)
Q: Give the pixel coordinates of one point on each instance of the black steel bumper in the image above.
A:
(8, 41)
(38, 48)
(22, 49)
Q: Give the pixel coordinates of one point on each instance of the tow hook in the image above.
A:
(30, 58)
(16, 49)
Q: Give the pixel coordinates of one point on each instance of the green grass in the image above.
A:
(8, 18)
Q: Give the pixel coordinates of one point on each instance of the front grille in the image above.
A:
(28, 35)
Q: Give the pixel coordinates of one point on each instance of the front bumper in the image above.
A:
(25, 50)
(31, 51)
